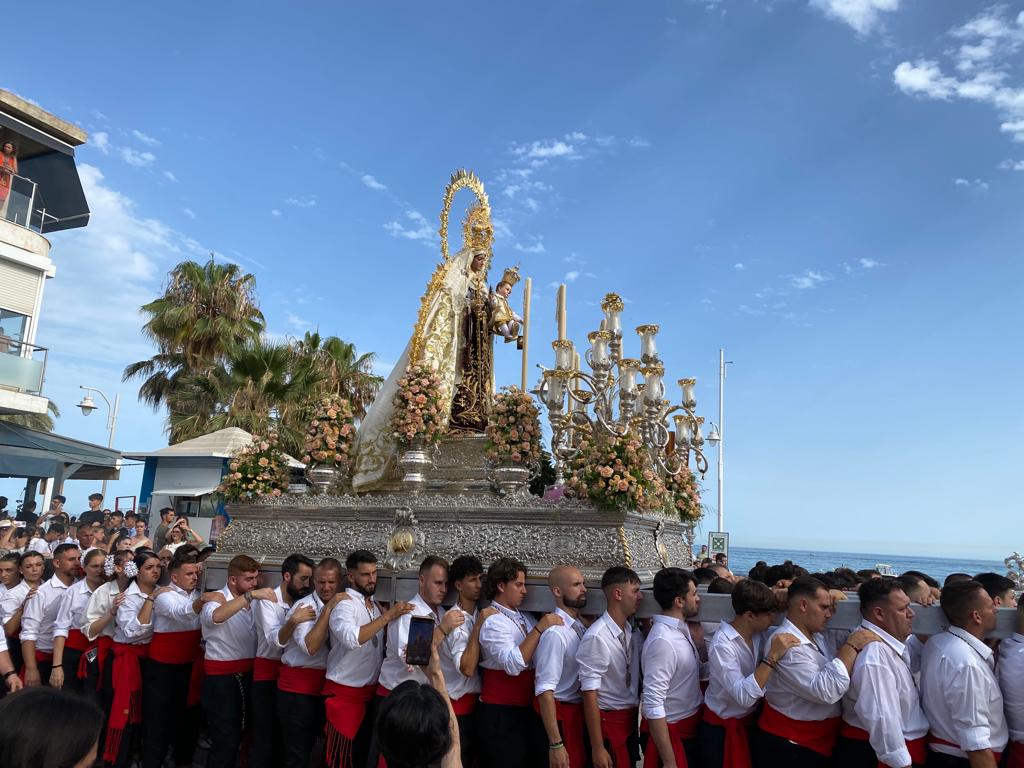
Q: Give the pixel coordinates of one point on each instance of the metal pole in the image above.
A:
(721, 439)
(112, 426)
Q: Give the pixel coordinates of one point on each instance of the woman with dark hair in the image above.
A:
(416, 726)
(132, 636)
(48, 728)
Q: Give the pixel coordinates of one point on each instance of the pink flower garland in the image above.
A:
(513, 428)
(417, 407)
(256, 471)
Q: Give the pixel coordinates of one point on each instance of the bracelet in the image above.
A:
(8, 674)
(855, 648)
(768, 663)
(556, 745)
(248, 598)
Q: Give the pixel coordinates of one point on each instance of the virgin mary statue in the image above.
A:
(451, 336)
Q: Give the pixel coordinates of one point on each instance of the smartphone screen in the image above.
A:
(421, 635)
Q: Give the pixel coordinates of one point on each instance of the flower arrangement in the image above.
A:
(418, 410)
(256, 471)
(513, 428)
(330, 433)
(617, 472)
(684, 495)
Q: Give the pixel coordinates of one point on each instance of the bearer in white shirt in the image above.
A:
(959, 690)
(557, 682)
(609, 660)
(883, 722)
(1011, 681)
(40, 614)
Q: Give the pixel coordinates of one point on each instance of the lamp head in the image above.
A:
(88, 405)
(714, 438)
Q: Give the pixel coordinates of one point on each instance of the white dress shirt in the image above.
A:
(395, 671)
(883, 699)
(451, 657)
(348, 662)
(172, 611)
(41, 612)
(13, 599)
(500, 638)
(39, 545)
(268, 618)
(732, 690)
(231, 640)
(609, 660)
(1011, 681)
(295, 653)
(129, 629)
(98, 606)
(72, 608)
(555, 660)
(808, 683)
(960, 693)
(671, 669)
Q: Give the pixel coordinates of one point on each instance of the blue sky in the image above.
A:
(830, 190)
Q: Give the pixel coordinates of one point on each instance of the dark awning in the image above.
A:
(27, 452)
(59, 192)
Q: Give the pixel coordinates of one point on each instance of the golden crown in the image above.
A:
(510, 276)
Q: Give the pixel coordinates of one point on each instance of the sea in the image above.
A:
(742, 559)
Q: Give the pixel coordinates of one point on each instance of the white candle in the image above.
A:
(561, 313)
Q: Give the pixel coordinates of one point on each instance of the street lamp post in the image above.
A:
(717, 437)
(88, 405)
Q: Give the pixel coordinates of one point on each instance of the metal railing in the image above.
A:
(23, 205)
(22, 366)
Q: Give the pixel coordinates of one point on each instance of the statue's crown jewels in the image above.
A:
(511, 276)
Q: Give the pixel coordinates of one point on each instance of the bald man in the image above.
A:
(557, 684)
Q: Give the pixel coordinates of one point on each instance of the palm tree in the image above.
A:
(41, 422)
(206, 311)
(260, 387)
(344, 372)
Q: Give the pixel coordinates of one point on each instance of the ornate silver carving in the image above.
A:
(405, 544)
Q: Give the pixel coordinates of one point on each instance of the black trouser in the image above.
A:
(226, 699)
(692, 748)
(942, 760)
(467, 738)
(267, 745)
(510, 737)
(167, 720)
(770, 751)
(302, 723)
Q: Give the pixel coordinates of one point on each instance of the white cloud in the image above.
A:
(808, 280)
(136, 158)
(189, 212)
(870, 263)
(985, 62)
(537, 246)
(101, 140)
(306, 201)
(274, 212)
(532, 204)
(570, 277)
(862, 15)
(1012, 165)
(739, 266)
(171, 176)
(638, 142)
(976, 185)
(544, 150)
(149, 141)
(421, 229)
(297, 322)
(502, 230)
(371, 182)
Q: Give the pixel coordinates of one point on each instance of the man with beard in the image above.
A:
(40, 614)
(354, 660)
(230, 636)
(609, 659)
(274, 629)
(300, 680)
(557, 681)
(671, 667)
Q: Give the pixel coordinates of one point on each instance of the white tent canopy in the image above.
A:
(223, 444)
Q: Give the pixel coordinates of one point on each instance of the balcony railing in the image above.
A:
(22, 366)
(23, 205)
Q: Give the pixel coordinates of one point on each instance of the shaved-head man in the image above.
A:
(557, 684)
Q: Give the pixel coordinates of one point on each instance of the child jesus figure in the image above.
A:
(505, 322)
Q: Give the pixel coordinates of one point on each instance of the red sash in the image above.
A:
(509, 691)
(76, 641)
(104, 644)
(737, 737)
(305, 680)
(678, 732)
(918, 748)
(265, 669)
(465, 705)
(175, 647)
(345, 707)
(126, 708)
(932, 739)
(42, 657)
(229, 667)
(1015, 758)
(570, 725)
(816, 735)
(617, 725)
